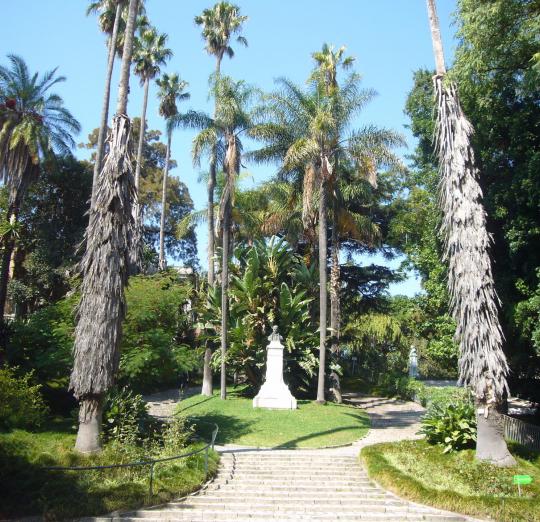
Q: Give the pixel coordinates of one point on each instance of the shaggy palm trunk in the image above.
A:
(473, 300)
(322, 289)
(106, 100)
(207, 385)
(226, 228)
(162, 261)
(335, 303)
(136, 246)
(104, 267)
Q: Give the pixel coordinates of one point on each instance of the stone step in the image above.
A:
(296, 496)
(257, 516)
(334, 470)
(280, 503)
(292, 483)
(299, 489)
(296, 475)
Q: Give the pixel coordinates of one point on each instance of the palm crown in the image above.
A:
(218, 25)
(150, 53)
(33, 122)
(171, 88)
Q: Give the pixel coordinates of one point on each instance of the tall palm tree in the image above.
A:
(33, 124)
(233, 117)
(171, 89)
(111, 22)
(325, 75)
(473, 299)
(218, 25)
(149, 55)
(104, 267)
(306, 130)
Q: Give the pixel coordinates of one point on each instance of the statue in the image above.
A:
(274, 393)
(413, 363)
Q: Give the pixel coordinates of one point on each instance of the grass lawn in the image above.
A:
(312, 425)
(420, 472)
(26, 489)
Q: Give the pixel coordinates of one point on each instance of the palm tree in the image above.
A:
(218, 25)
(33, 124)
(149, 55)
(307, 131)
(473, 299)
(232, 118)
(104, 267)
(111, 23)
(171, 89)
(325, 75)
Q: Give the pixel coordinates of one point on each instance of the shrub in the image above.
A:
(452, 425)
(21, 404)
(125, 417)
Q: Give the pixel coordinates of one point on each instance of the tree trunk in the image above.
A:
(9, 247)
(106, 100)
(490, 444)
(207, 385)
(123, 88)
(436, 37)
(90, 416)
(322, 290)
(162, 262)
(137, 207)
(335, 285)
(226, 227)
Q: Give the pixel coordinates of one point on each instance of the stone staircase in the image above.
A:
(257, 485)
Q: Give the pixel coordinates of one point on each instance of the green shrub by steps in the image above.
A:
(451, 425)
(21, 404)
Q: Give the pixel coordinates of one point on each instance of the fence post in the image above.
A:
(151, 486)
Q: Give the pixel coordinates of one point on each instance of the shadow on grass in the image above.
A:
(230, 427)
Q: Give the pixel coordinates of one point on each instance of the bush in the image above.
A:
(126, 418)
(21, 404)
(452, 425)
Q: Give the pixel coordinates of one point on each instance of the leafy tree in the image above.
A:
(33, 124)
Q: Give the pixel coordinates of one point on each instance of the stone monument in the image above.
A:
(413, 363)
(274, 393)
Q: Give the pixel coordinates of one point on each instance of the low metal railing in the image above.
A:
(151, 463)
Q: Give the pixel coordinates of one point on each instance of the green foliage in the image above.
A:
(269, 286)
(452, 425)
(155, 348)
(21, 404)
(125, 417)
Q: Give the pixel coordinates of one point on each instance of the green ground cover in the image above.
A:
(26, 489)
(312, 425)
(456, 481)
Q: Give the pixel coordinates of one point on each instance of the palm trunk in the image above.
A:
(162, 262)
(322, 290)
(226, 227)
(335, 308)
(102, 307)
(207, 386)
(90, 417)
(473, 299)
(136, 246)
(106, 100)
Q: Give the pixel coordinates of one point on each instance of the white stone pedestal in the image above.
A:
(274, 393)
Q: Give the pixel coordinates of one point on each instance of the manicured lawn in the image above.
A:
(310, 426)
(26, 489)
(456, 482)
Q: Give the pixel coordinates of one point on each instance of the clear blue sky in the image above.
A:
(389, 38)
